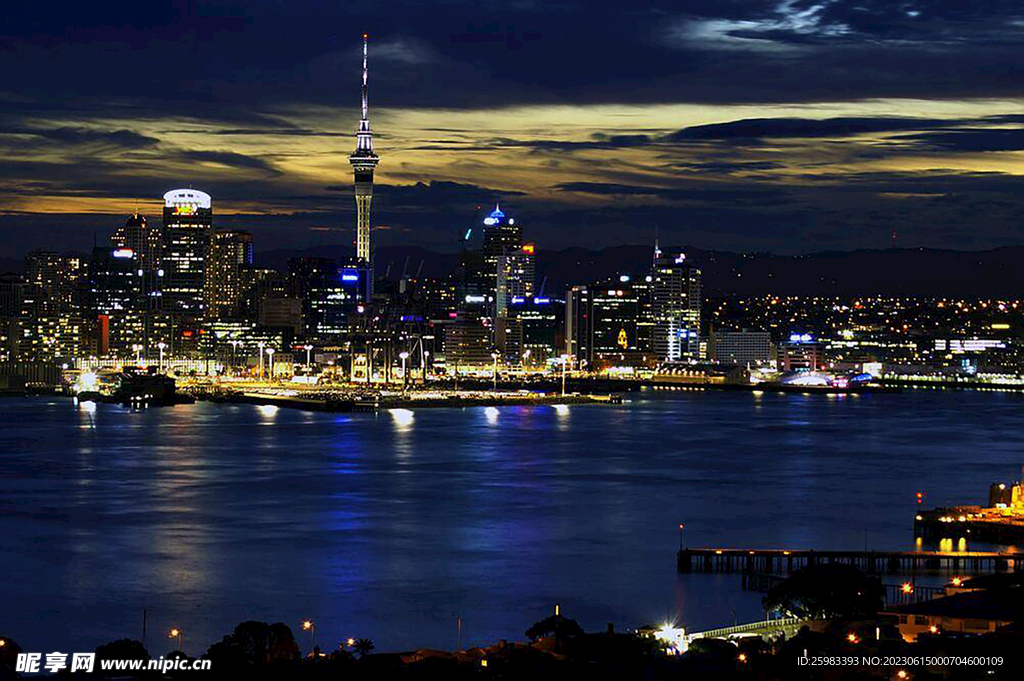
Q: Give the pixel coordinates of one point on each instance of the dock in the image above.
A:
(996, 526)
(775, 561)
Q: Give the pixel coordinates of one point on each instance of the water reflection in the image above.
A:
(402, 418)
(351, 518)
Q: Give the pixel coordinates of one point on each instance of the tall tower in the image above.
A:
(188, 221)
(363, 162)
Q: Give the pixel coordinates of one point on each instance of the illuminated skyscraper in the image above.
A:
(146, 243)
(143, 240)
(502, 236)
(363, 162)
(675, 304)
(228, 265)
(188, 219)
(111, 300)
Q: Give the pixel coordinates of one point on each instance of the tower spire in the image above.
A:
(366, 106)
(364, 137)
(363, 162)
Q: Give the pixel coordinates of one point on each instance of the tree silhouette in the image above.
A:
(255, 644)
(363, 646)
(556, 625)
(9, 658)
(122, 649)
(827, 592)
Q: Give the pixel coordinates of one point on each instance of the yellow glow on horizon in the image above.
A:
(478, 147)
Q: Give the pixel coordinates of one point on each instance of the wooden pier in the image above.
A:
(775, 561)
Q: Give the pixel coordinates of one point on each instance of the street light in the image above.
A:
(495, 356)
(234, 348)
(138, 353)
(310, 626)
(565, 362)
(270, 362)
(308, 349)
(680, 536)
(161, 345)
(404, 355)
(526, 355)
(261, 345)
(178, 634)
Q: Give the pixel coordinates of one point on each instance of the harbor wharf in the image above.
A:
(896, 562)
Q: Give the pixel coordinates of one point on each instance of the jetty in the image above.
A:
(776, 561)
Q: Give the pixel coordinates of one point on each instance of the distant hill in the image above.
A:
(997, 272)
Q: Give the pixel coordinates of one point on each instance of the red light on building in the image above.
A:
(528, 248)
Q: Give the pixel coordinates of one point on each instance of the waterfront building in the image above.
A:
(604, 324)
(539, 322)
(51, 317)
(12, 299)
(230, 258)
(51, 281)
(236, 342)
(329, 293)
(364, 161)
(740, 347)
(801, 353)
(111, 300)
(676, 307)
(467, 343)
(188, 221)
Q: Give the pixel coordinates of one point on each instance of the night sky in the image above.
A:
(784, 126)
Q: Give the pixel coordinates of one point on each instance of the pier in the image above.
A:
(775, 561)
(986, 524)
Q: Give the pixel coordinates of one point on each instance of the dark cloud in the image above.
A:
(694, 192)
(756, 129)
(94, 96)
(972, 140)
(230, 159)
(67, 135)
(433, 195)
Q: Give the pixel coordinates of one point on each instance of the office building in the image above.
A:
(330, 293)
(188, 221)
(467, 343)
(753, 348)
(676, 309)
(229, 261)
(111, 301)
(801, 353)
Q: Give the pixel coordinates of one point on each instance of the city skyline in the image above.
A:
(780, 126)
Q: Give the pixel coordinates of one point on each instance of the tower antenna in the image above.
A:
(363, 162)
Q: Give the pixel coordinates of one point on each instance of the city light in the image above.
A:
(822, 327)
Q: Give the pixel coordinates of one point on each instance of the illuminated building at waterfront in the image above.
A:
(188, 221)
(227, 273)
(676, 306)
